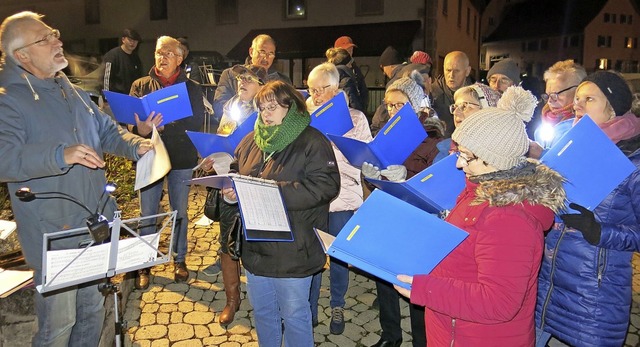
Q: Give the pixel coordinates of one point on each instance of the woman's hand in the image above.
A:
(229, 195)
(403, 291)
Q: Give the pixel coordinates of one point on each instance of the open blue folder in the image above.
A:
(393, 144)
(333, 116)
(262, 208)
(387, 237)
(434, 189)
(590, 162)
(207, 144)
(173, 102)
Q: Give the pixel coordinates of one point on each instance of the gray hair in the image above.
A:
(566, 70)
(10, 37)
(260, 39)
(170, 41)
(327, 70)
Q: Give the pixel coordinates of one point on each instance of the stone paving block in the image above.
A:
(198, 318)
(364, 317)
(341, 340)
(241, 339)
(185, 306)
(143, 343)
(148, 297)
(168, 308)
(188, 343)
(169, 298)
(208, 295)
(354, 331)
(195, 294)
(147, 319)
(150, 308)
(214, 340)
(150, 332)
(327, 344)
(163, 318)
(217, 330)
(239, 326)
(131, 314)
(202, 306)
(179, 332)
(230, 344)
(201, 331)
(176, 317)
(160, 343)
(177, 287)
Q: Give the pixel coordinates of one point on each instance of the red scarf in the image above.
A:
(621, 128)
(554, 117)
(167, 81)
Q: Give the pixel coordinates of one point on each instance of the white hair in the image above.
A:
(10, 32)
(327, 70)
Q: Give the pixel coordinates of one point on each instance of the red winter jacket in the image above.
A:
(484, 292)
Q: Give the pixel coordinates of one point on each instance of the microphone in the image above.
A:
(97, 224)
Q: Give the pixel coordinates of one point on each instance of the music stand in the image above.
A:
(68, 267)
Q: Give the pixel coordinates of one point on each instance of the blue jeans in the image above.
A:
(542, 337)
(281, 303)
(150, 196)
(69, 317)
(338, 270)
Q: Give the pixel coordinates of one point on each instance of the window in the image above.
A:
(92, 11)
(369, 7)
(459, 13)
(158, 9)
(532, 46)
(468, 20)
(629, 19)
(607, 18)
(445, 8)
(630, 42)
(295, 9)
(623, 19)
(544, 44)
(604, 41)
(603, 64)
(226, 12)
(613, 18)
(574, 41)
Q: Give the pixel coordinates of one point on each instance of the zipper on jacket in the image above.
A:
(453, 332)
(551, 274)
(602, 264)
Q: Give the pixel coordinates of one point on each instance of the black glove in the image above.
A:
(585, 222)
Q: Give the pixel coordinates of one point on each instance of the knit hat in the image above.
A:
(508, 68)
(390, 56)
(614, 88)
(344, 42)
(413, 87)
(497, 135)
(256, 71)
(487, 96)
(420, 57)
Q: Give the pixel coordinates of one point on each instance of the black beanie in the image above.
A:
(390, 57)
(615, 88)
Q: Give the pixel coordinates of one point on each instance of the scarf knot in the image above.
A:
(274, 138)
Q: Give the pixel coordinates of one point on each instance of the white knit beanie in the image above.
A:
(497, 135)
(413, 87)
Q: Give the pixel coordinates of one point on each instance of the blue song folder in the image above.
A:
(387, 237)
(591, 163)
(173, 102)
(207, 144)
(333, 116)
(262, 209)
(393, 144)
(434, 189)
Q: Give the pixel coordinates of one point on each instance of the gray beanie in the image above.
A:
(497, 135)
(506, 67)
(413, 87)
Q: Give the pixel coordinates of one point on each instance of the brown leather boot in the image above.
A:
(231, 279)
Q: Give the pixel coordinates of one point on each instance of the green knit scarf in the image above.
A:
(271, 139)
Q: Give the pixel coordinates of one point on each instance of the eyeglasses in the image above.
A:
(394, 106)
(247, 79)
(502, 80)
(169, 55)
(466, 160)
(554, 95)
(264, 54)
(270, 107)
(315, 91)
(463, 106)
(46, 39)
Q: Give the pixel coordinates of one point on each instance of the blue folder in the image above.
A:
(227, 181)
(333, 116)
(392, 146)
(387, 237)
(173, 102)
(434, 189)
(590, 162)
(207, 144)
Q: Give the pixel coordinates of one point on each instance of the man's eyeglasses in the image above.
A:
(46, 39)
(264, 54)
(554, 95)
(270, 107)
(462, 107)
(247, 79)
(170, 55)
(502, 80)
(466, 160)
(394, 106)
(315, 91)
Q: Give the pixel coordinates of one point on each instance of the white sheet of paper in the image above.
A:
(9, 279)
(133, 252)
(203, 221)
(262, 205)
(154, 165)
(94, 261)
(6, 228)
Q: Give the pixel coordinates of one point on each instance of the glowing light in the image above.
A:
(546, 133)
(235, 113)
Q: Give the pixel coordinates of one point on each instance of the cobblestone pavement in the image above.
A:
(186, 314)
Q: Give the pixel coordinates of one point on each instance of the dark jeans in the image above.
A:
(389, 302)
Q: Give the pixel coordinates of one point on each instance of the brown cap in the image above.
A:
(256, 71)
(344, 42)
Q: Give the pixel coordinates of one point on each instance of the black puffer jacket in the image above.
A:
(308, 177)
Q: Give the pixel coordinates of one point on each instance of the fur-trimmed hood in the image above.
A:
(534, 182)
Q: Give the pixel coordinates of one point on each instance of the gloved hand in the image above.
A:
(395, 173)
(585, 222)
(370, 171)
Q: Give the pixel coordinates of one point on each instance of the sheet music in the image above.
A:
(94, 261)
(154, 165)
(133, 252)
(13, 279)
(261, 204)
